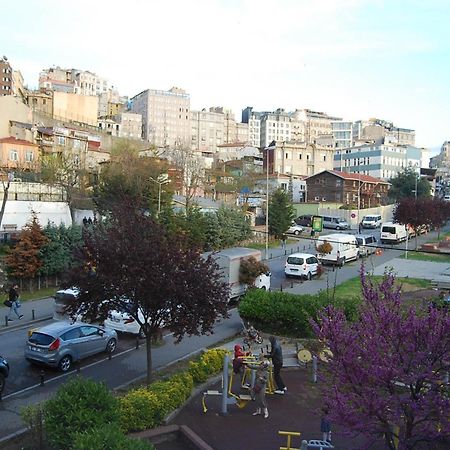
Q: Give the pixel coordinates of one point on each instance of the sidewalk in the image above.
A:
(34, 311)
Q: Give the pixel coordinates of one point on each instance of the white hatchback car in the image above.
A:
(122, 321)
(301, 265)
(295, 229)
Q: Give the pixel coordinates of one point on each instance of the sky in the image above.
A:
(354, 59)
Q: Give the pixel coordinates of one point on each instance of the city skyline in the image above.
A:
(348, 58)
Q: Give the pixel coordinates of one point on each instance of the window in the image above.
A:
(71, 334)
(338, 183)
(286, 156)
(60, 140)
(324, 157)
(29, 156)
(89, 331)
(13, 155)
(299, 156)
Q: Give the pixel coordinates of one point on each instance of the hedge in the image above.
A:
(147, 407)
(289, 314)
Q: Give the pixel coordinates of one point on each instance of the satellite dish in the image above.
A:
(5, 58)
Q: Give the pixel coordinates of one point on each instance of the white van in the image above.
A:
(367, 244)
(344, 248)
(372, 221)
(393, 233)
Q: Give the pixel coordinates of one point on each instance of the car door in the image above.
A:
(312, 264)
(72, 343)
(92, 340)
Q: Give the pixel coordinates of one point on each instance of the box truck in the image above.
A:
(229, 262)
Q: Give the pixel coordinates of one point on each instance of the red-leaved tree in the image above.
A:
(388, 376)
(131, 264)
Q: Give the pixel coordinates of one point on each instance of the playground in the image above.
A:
(226, 422)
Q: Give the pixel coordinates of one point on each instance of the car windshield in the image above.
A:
(390, 230)
(370, 219)
(295, 260)
(64, 298)
(41, 338)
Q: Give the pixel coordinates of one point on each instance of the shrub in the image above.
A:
(250, 270)
(209, 364)
(79, 405)
(109, 437)
(290, 314)
(139, 410)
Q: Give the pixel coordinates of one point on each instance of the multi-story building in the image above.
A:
(275, 126)
(378, 130)
(207, 130)
(6, 77)
(88, 83)
(41, 100)
(347, 188)
(308, 126)
(126, 125)
(299, 158)
(18, 154)
(378, 160)
(166, 119)
(77, 108)
(345, 134)
(253, 119)
(443, 158)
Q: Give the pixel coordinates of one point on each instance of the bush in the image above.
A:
(109, 437)
(79, 405)
(139, 410)
(209, 364)
(290, 314)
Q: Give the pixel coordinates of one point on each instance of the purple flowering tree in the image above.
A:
(388, 376)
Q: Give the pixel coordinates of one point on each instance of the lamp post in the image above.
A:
(162, 179)
(271, 146)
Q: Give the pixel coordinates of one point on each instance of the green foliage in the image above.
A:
(33, 416)
(109, 437)
(250, 269)
(290, 314)
(281, 213)
(57, 253)
(233, 227)
(147, 407)
(79, 405)
(404, 185)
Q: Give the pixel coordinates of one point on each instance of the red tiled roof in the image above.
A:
(13, 140)
(357, 177)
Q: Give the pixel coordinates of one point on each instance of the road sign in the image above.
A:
(353, 215)
(317, 223)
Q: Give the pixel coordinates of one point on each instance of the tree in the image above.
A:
(66, 172)
(404, 185)
(250, 270)
(281, 213)
(132, 264)
(23, 260)
(6, 179)
(57, 253)
(386, 375)
(130, 176)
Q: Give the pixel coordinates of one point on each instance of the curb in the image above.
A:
(4, 329)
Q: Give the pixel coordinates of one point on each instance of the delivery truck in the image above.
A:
(229, 262)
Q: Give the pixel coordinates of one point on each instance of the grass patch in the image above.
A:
(432, 257)
(26, 295)
(352, 287)
(262, 245)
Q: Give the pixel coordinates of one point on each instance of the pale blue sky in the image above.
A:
(350, 58)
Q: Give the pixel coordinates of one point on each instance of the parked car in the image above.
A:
(344, 248)
(301, 265)
(367, 244)
(295, 229)
(372, 221)
(393, 233)
(305, 220)
(123, 321)
(62, 343)
(4, 372)
(335, 223)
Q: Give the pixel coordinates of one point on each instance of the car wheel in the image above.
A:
(343, 261)
(309, 276)
(296, 232)
(111, 346)
(2, 382)
(65, 363)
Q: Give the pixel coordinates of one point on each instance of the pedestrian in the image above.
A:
(360, 227)
(258, 391)
(85, 221)
(283, 241)
(276, 353)
(13, 297)
(325, 425)
(238, 365)
(89, 221)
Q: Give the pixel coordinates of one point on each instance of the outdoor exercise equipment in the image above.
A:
(228, 397)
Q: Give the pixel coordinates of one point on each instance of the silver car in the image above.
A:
(62, 343)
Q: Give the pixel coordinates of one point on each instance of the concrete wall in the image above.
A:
(386, 213)
(18, 213)
(11, 108)
(81, 108)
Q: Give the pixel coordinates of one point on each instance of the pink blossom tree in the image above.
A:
(388, 376)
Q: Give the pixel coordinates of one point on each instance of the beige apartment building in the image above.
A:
(166, 116)
(207, 131)
(300, 158)
(18, 154)
(309, 126)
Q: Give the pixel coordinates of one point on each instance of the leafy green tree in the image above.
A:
(404, 185)
(281, 213)
(141, 179)
(233, 227)
(57, 253)
(23, 260)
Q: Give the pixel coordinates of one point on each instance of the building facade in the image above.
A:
(347, 188)
(18, 154)
(207, 130)
(166, 119)
(382, 161)
(6, 77)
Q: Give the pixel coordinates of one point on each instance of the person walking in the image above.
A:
(276, 354)
(283, 241)
(258, 391)
(325, 425)
(13, 297)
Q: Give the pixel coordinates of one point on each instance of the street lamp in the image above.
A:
(272, 146)
(162, 179)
